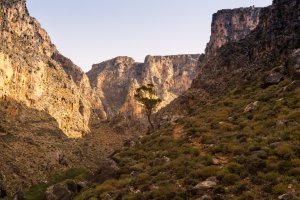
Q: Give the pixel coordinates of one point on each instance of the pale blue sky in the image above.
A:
(93, 31)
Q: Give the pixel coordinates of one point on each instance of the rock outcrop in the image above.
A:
(113, 82)
(272, 45)
(32, 77)
(232, 25)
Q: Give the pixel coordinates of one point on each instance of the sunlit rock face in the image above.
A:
(114, 82)
(232, 25)
(30, 76)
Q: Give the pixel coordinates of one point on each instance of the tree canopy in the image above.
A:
(148, 98)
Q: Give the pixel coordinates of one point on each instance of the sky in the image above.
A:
(89, 32)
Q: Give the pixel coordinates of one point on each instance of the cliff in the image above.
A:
(114, 82)
(231, 25)
(32, 77)
(272, 45)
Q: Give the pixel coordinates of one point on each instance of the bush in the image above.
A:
(284, 151)
(279, 189)
(230, 179)
(205, 172)
(247, 196)
(284, 166)
(235, 168)
(255, 165)
(219, 190)
(294, 172)
(240, 188)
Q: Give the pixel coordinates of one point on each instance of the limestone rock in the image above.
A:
(114, 82)
(205, 185)
(232, 25)
(29, 75)
(251, 107)
(294, 64)
(205, 197)
(287, 196)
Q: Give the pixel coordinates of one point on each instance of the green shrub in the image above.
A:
(255, 165)
(247, 196)
(294, 172)
(219, 190)
(284, 151)
(205, 172)
(167, 191)
(284, 166)
(230, 179)
(279, 189)
(235, 168)
(36, 192)
(240, 188)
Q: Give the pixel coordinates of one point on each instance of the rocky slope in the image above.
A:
(237, 136)
(114, 82)
(30, 76)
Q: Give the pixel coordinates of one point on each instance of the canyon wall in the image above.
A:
(35, 74)
(231, 25)
(114, 82)
(273, 45)
(30, 76)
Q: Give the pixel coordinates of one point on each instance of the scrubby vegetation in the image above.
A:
(37, 191)
(253, 154)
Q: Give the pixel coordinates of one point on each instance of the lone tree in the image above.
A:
(147, 97)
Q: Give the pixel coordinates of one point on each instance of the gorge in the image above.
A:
(54, 117)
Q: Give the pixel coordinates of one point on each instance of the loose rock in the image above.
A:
(251, 107)
(107, 170)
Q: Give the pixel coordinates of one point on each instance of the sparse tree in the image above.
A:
(147, 97)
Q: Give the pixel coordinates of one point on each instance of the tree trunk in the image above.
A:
(149, 120)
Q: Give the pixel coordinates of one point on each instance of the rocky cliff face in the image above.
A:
(272, 46)
(231, 25)
(274, 40)
(29, 74)
(113, 82)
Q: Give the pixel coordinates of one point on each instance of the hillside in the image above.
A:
(234, 134)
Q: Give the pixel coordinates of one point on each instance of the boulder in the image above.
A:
(261, 154)
(276, 144)
(251, 107)
(205, 197)
(63, 191)
(294, 64)
(207, 184)
(287, 196)
(108, 169)
(273, 78)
